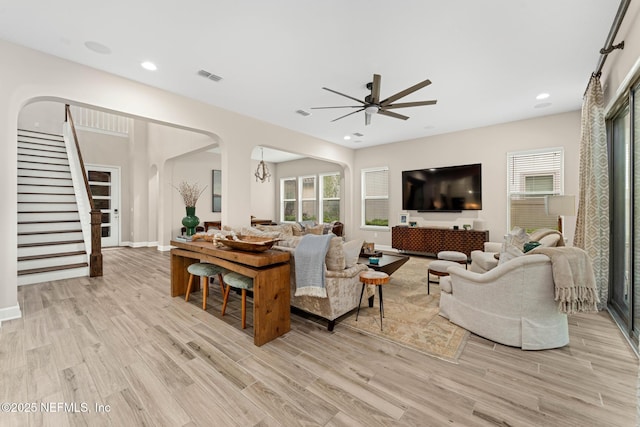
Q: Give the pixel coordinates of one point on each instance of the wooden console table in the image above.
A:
(434, 240)
(269, 271)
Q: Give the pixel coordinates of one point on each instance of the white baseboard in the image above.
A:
(139, 244)
(10, 313)
(165, 248)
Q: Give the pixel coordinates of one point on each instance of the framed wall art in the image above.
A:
(216, 188)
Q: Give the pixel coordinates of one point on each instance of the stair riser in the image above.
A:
(36, 146)
(41, 139)
(44, 153)
(53, 249)
(29, 279)
(44, 180)
(54, 237)
(29, 164)
(54, 207)
(43, 160)
(46, 216)
(45, 226)
(59, 176)
(47, 198)
(31, 188)
(51, 262)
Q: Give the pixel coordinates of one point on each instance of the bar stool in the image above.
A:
(240, 282)
(204, 270)
(376, 278)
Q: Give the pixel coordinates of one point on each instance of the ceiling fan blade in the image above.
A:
(342, 117)
(342, 106)
(342, 94)
(375, 89)
(410, 104)
(405, 92)
(392, 114)
(367, 119)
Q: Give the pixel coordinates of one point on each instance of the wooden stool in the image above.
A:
(439, 268)
(376, 278)
(240, 282)
(204, 270)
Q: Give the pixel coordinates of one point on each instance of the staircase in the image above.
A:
(50, 240)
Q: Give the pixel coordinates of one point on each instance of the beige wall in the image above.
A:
(621, 64)
(489, 146)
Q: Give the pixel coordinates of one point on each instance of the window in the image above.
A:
(375, 197)
(288, 209)
(330, 200)
(532, 175)
(308, 205)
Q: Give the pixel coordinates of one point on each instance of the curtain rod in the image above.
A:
(613, 31)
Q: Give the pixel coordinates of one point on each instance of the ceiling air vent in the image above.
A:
(303, 113)
(209, 75)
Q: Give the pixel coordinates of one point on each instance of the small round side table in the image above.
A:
(376, 278)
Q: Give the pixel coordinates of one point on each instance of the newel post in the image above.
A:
(95, 260)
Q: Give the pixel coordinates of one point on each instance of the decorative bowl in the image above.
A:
(374, 260)
(249, 243)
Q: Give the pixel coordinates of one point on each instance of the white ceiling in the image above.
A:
(487, 59)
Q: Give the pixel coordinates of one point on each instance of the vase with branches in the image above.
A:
(190, 194)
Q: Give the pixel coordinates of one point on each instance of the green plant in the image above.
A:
(377, 222)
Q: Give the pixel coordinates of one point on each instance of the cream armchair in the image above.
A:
(512, 304)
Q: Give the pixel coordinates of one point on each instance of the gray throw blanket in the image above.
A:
(310, 254)
(574, 279)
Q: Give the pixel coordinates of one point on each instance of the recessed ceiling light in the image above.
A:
(347, 137)
(97, 47)
(542, 96)
(148, 65)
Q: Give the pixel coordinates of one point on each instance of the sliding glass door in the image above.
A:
(624, 155)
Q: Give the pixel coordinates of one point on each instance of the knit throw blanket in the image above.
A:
(309, 265)
(574, 280)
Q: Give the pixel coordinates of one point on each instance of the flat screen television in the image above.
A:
(444, 189)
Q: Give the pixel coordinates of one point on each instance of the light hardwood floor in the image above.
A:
(122, 341)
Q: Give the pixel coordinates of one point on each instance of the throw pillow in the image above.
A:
(351, 252)
(315, 229)
(335, 259)
(283, 229)
(513, 245)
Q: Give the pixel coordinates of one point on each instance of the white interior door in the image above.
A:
(104, 182)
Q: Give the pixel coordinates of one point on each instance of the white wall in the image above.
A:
(489, 146)
(264, 198)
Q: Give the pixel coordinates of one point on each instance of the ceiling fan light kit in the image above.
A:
(372, 105)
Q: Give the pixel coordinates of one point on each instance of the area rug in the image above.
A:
(410, 315)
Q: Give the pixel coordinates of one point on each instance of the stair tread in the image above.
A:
(48, 222)
(38, 132)
(51, 203)
(63, 242)
(46, 212)
(47, 256)
(55, 268)
(32, 233)
(44, 194)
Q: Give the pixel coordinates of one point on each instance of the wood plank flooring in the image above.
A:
(121, 343)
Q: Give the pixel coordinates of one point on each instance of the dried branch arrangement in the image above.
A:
(190, 192)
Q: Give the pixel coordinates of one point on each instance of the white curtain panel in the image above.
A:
(592, 226)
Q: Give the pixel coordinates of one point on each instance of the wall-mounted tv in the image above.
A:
(444, 189)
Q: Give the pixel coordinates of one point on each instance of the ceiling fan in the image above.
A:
(373, 105)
